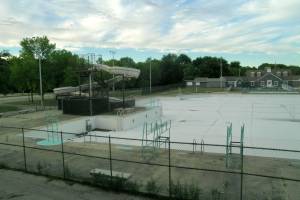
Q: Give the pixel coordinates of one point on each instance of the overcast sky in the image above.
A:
(253, 31)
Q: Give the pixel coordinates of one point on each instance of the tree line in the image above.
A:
(60, 68)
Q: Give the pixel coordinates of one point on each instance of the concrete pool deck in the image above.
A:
(270, 120)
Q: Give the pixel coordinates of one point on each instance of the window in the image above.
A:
(252, 74)
(252, 83)
(278, 73)
(189, 83)
(258, 74)
(262, 83)
(275, 83)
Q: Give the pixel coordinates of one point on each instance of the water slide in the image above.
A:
(118, 71)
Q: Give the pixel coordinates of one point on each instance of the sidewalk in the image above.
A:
(21, 186)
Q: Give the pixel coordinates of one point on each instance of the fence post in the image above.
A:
(24, 151)
(170, 178)
(110, 161)
(63, 155)
(242, 170)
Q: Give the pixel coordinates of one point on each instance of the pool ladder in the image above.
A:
(195, 146)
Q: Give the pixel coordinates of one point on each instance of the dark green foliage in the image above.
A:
(181, 191)
(68, 173)
(4, 72)
(215, 194)
(116, 183)
(3, 166)
(152, 187)
(294, 69)
(60, 68)
(39, 167)
(8, 108)
(171, 70)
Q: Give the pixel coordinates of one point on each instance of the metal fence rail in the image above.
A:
(111, 154)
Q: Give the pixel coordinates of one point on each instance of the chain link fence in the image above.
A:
(179, 170)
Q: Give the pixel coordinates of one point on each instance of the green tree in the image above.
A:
(126, 62)
(33, 48)
(183, 59)
(171, 70)
(23, 75)
(185, 63)
(235, 68)
(4, 72)
(36, 46)
(63, 68)
(210, 67)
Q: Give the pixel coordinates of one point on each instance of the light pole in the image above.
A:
(38, 53)
(150, 77)
(221, 73)
(113, 56)
(41, 81)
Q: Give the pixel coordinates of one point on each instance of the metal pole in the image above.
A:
(90, 94)
(41, 85)
(79, 81)
(24, 150)
(150, 74)
(113, 56)
(221, 73)
(63, 155)
(110, 161)
(90, 81)
(123, 88)
(242, 170)
(170, 178)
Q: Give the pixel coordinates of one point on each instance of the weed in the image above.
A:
(39, 167)
(185, 191)
(3, 166)
(152, 187)
(68, 173)
(215, 194)
(116, 183)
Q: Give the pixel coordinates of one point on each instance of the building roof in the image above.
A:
(232, 78)
(201, 79)
(293, 77)
(268, 74)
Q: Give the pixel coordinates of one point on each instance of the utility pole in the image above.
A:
(113, 56)
(150, 77)
(41, 83)
(221, 73)
(38, 54)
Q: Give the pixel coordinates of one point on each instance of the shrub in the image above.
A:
(39, 167)
(215, 194)
(116, 183)
(152, 187)
(185, 191)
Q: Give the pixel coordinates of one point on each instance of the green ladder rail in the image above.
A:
(155, 134)
(229, 142)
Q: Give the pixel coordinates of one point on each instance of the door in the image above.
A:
(269, 83)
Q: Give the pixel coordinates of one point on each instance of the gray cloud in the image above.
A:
(209, 26)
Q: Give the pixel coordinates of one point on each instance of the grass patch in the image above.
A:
(181, 191)
(116, 183)
(47, 102)
(8, 108)
(152, 187)
(190, 90)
